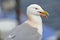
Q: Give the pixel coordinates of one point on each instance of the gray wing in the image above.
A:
(23, 32)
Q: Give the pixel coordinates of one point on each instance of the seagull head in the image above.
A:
(36, 10)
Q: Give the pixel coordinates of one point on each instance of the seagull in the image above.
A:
(32, 28)
(34, 13)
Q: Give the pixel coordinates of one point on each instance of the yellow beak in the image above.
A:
(44, 14)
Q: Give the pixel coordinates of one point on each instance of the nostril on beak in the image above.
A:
(39, 12)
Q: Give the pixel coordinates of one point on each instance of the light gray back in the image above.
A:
(23, 32)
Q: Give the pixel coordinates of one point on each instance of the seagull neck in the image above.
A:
(32, 24)
(34, 20)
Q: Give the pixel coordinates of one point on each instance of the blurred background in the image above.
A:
(16, 10)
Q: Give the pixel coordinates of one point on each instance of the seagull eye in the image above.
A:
(36, 8)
